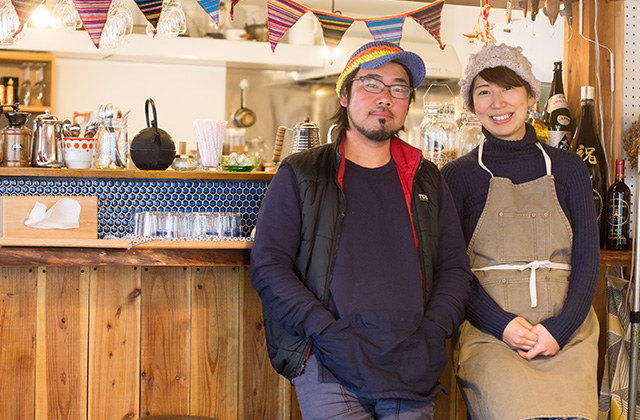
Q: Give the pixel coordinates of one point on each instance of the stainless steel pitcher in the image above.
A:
(305, 136)
(47, 142)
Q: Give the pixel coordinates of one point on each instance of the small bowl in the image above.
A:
(78, 152)
(239, 163)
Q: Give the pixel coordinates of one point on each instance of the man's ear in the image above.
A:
(343, 98)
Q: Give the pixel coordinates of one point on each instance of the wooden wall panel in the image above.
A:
(114, 343)
(165, 339)
(17, 342)
(261, 388)
(62, 341)
(215, 342)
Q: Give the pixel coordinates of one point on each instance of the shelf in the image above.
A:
(181, 50)
(121, 244)
(10, 62)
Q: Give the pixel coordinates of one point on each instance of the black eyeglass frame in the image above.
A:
(367, 87)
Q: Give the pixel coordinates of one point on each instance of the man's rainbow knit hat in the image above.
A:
(378, 53)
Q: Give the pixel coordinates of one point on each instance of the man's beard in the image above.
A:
(379, 135)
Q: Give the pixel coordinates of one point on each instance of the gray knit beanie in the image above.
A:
(492, 56)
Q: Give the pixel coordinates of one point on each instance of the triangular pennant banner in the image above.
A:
(211, 7)
(389, 29)
(94, 15)
(233, 4)
(24, 9)
(281, 15)
(429, 18)
(151, 9)
(333, 28)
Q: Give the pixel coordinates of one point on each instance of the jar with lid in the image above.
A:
(440, 136)
(183, 161)
(470, 134)
(255, 147)
(112, 144)
(15, 140)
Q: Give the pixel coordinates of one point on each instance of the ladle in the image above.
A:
(244, 117)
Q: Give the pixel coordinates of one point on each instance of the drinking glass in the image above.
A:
(65, 16)
(172, 21)
(145, 223)
(9, 24)
(118, 27)
(38, 91)
(25, 87)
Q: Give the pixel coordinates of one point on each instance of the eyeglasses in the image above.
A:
(376, 86)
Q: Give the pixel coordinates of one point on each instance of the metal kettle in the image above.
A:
(47, 142)
(306, 135)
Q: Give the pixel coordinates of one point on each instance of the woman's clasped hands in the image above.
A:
(529, 340)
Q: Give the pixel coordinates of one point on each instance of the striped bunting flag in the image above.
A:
(233, 4)
(429, 18)
(24, 9)
(386, 29)
(94, 15)
(333, 28)
(211, 7)
(282, 15)
(151, 9)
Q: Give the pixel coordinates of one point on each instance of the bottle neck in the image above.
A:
(619, 170)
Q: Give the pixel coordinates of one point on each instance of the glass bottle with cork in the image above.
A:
(618, 211)
(557, 116)
(588, 146)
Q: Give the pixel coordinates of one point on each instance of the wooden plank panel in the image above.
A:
(261, 388)
(61, 351)
(17, 342)
(165, 329)
(214, 342)
(114, 343)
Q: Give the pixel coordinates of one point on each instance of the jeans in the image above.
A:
(330, 400)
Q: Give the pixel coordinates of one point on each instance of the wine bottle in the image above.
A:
(541, 130)
(588, 146)
(618, 211)
(557, 116)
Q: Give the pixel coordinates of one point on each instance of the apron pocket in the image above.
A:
(523, 236)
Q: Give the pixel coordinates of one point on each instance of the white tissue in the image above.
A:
(64, 214)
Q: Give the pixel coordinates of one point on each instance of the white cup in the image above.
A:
(78, 152)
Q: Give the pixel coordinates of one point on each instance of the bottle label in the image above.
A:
(559, 139)
(618, 218)
(556, 102)
(564, 120)
(587, 154)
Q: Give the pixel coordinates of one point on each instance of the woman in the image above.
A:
(529, 346)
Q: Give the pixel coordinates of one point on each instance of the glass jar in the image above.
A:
(112, 144)
(440, 136)
(470, 134)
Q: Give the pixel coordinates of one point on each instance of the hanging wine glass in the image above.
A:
(9, 24)
(24, 93)
(65, 16)
(38, 91)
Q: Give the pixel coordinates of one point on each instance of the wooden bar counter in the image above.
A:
(90, 329)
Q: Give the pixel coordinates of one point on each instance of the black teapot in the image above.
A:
(152, 148)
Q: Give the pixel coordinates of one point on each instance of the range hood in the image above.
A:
(441, 65)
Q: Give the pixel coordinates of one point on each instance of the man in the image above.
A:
(359, 258)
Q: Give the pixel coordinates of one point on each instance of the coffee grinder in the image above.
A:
(15, 138)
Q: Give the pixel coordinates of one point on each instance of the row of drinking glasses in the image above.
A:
(174, 224)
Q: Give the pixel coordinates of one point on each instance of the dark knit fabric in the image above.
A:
(522, 161)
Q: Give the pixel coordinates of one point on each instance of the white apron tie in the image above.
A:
(533, 266)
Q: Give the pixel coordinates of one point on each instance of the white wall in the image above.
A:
(182, 93)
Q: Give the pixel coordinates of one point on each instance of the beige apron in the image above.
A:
(521, 251)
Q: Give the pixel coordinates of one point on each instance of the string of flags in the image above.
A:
(281, 15)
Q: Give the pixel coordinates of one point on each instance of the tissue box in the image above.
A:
(15, 210)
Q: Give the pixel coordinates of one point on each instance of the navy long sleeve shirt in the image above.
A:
(522, 161)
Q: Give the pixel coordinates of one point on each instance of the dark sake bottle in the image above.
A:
(587, 144)
(557, 116)
(618, 211)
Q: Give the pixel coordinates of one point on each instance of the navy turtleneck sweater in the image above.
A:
(522, 161)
